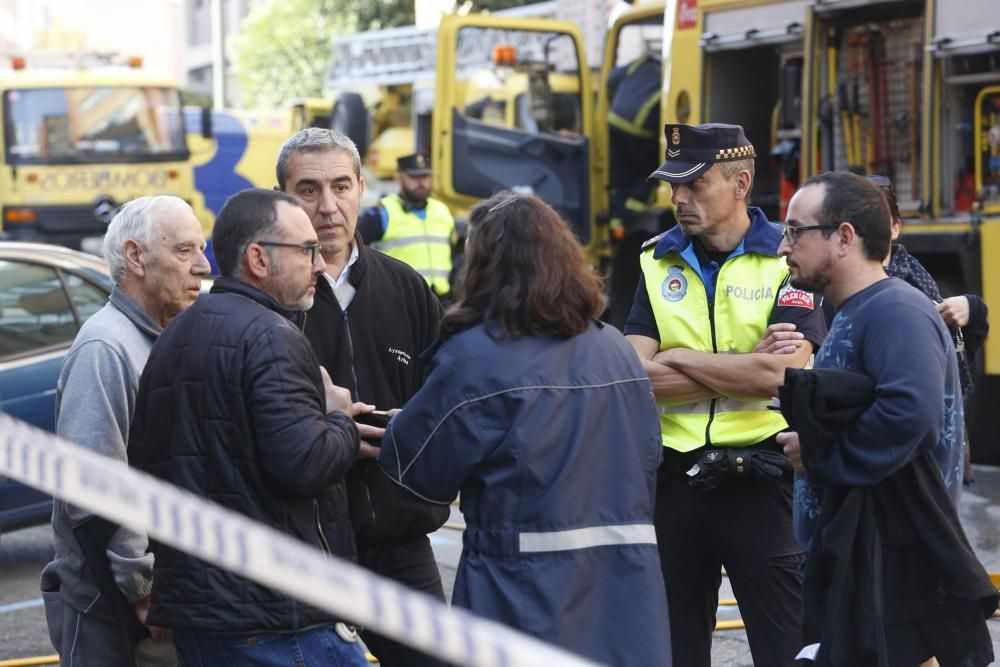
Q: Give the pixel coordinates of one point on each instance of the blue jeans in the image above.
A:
(316, 646)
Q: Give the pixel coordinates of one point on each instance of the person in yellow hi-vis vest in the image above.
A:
(412, 226)
(716, 324)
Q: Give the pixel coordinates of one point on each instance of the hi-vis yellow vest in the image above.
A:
(423, 244)
(744, 297)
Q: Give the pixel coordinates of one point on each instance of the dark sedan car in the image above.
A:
(46, 294)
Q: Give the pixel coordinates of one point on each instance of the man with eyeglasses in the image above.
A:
(234, 406)
(875, 502)
(716, 324)
(373, 317)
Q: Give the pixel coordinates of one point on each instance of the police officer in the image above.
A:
(716, 324)
(412, 226)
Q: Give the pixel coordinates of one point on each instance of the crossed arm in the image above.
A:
(681, 375)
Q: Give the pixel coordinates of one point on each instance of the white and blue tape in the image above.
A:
(228, 539)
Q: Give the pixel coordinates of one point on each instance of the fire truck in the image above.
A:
(82, 135)
(905, 88)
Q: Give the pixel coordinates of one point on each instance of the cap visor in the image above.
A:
(417, 172)
(679, 172)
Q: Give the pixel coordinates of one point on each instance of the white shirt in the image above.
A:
(343, 290)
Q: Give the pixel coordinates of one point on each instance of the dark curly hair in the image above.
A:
(524, 273)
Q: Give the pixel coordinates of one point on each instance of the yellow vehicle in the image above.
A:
(382, 83)
(78, 141)
(906, 88)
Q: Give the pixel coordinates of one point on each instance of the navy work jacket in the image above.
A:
(554, 444)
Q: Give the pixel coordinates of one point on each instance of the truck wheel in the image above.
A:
(349, 116)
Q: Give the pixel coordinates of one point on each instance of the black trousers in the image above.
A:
(412, 564)
(745, 525)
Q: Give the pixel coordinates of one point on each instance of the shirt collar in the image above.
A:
(763, 237)
(134, 312)
(345, 274)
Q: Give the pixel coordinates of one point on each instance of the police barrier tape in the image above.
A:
(228, 539)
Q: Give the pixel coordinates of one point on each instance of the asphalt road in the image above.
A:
(24, 553)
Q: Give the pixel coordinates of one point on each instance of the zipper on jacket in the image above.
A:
(319, 530)
(356, 395)
(355, 391)
(715, 350)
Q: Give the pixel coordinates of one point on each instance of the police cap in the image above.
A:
(414, 165)
(693, 149)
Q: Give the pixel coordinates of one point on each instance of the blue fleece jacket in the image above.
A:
(891, 332)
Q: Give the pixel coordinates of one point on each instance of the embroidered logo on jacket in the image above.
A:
(401, 357)
(675, 285)
(789, 296)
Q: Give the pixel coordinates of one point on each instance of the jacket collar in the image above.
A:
(134, 312)
(359, 267)
(226, 285)
(763, 237)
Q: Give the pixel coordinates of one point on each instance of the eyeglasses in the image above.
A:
(791, 234)
(312, 249)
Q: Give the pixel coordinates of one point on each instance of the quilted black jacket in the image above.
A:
(231, 407)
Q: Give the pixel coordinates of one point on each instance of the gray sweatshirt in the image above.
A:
(94, 406)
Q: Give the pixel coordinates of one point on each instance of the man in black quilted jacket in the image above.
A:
(234, 406)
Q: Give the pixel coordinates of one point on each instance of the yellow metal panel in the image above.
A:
(978, 136)
(914, 228)
(58, 77)
(989, 239)
(928, 126)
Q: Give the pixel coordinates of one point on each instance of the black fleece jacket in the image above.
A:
(373, 348)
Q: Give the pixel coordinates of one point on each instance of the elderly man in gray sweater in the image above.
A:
(155, 251)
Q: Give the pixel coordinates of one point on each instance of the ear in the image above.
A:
(361, 184)
(134, 262)
(743, 182)
(256, 262)
(848, 237)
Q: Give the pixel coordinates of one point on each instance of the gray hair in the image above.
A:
(314, 140)
(138, 220)
(733, 167)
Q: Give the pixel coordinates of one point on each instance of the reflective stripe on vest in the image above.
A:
(585, 538)
(745, 293)
(423, 244)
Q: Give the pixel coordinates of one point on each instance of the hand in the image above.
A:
(789, 440)
(954, 311)
(161, 635)
(158, 634)
(368, 451)
(780, 338)
(141, 608)
(368, 433)
(338, 399)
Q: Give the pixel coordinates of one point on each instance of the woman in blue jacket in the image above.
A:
(545, 421)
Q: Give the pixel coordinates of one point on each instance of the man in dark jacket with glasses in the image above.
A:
(234, 406)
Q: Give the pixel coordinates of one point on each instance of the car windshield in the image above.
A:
(93, 124)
